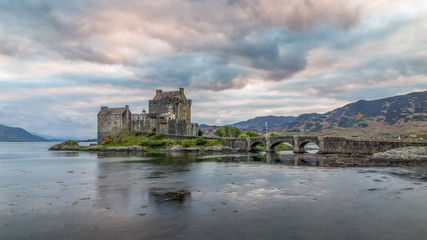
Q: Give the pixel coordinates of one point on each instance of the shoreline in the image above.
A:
(177, 148)
(398, 155)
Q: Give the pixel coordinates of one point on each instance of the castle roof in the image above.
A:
(112, 111)
(166, 95)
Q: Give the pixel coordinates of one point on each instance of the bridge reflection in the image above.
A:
(312, 159)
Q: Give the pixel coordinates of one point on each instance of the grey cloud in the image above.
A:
(216, 44)
(197, 70)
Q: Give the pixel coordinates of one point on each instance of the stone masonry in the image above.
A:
(327, 145)
(169, 113)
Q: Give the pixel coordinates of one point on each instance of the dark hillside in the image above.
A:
(13, 134)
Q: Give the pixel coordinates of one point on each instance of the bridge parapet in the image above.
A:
(365, 146)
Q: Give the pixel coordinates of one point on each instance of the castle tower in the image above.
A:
(163, 100)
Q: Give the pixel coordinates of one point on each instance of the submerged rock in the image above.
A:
(406, 154)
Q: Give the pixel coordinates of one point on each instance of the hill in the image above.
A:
(393, 116)
(388, 116)
(14, 134)
(273, 122)
(258, 123)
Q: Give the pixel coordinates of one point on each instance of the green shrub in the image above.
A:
(157, 136)
(200, 141)
(156, 143)
(71, 143)
(215, 142)
(187, 143)
(244, 136)
(144, 143)
(108, 139)
(252, 134)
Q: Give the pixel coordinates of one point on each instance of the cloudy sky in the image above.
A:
(61, 60)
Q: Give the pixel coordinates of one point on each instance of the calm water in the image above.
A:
(78, 195)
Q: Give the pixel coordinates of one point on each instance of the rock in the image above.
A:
(92, 148)
(176, 148)
(66, 146)
(218, 149)
(179, 148)
(406, 154)
(190, 150)
(122, 149)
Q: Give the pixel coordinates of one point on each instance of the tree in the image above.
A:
(235, 132)
(226, 131)
(219, 132)
(200, 132)
(252, 134)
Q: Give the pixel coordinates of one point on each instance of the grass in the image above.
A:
(156, 141)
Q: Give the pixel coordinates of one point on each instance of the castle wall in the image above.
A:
(184, 111)
(139, 123)
(108, 124)
(192, 129)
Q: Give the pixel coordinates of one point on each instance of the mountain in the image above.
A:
(273, 122)
(388, 116)
(13, 134)
(63, 139)
(398, 115)
(258, 123)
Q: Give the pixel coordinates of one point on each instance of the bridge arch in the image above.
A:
(273, 146)
(303, 145)
(255, 144)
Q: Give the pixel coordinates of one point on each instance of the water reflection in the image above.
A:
(72, 195)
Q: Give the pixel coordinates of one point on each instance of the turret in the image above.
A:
(170, 110)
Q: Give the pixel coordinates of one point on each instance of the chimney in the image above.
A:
(181, 90)
(158, 91)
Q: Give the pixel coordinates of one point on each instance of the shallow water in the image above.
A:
(80, 195)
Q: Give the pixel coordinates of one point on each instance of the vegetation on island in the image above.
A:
(155, 141)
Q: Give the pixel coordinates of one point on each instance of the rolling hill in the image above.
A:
(14, 134)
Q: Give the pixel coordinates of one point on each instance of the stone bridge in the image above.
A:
(326, 144)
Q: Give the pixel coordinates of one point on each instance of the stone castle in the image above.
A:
(168, 113)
